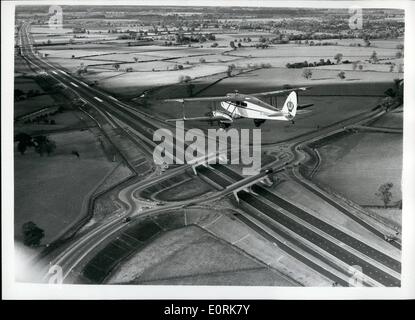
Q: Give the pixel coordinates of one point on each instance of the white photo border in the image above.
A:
(14, 290)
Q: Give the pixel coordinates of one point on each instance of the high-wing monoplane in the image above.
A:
(236, 105)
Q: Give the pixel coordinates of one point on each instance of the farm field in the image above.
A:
(65, 120)
(26, 84)
(357, 165)
(32, 104)
(131, 84)
(53, 191)
(275, 78)
(295, 51)
(101, 58)
(392, 215)
(21, 68)
(391, 120)
(176, 260)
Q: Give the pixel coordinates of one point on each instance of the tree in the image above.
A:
(116, 66)
(21, 147)
(307, 73)
(44, 144)
(391, 67)
(398, 55)
(183, 78)
(374, 57)
(21, 136)
(360, 67)
(189, 88)
(338, 57)
(232, 45)
(24, 140)
(18, 93)
(32, 234)
(231, 67)
(384, 193)
(135, 59)
(342, 75)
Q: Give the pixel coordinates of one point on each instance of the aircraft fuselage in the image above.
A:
(248, 109)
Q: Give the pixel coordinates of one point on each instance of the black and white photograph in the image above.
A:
(202, 146)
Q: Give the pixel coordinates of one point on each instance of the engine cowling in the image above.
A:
(222, 117)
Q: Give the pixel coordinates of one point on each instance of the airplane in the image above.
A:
(237, 105)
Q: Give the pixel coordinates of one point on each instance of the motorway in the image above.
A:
(269, 203)
(120, 114)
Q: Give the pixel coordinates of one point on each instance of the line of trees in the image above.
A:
(305, 64)
(42, 144)
(32, 234)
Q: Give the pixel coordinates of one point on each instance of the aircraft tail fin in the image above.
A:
(290, 105)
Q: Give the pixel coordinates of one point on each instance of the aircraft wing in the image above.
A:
(277, 92)
(217, 99)
(206, 118)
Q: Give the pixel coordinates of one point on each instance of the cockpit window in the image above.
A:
(240, 103)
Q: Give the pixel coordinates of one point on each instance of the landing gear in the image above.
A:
(258, 122)
(224, 125)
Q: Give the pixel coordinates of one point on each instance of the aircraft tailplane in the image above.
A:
(290, 105)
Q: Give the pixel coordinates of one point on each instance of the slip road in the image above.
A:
(213, 309)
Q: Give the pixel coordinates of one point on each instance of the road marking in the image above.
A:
(98, 99)
(210, 223)
(83, 83)
(54, 72)
(110, 120)
(243, 238)
(111, 97)
(74, 84)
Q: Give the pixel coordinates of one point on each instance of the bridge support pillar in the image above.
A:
(235, 193)
(250, 190)
(267, 181)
